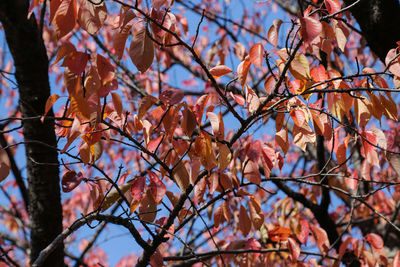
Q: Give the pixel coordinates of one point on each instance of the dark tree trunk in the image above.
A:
(379, 21)
(31, 68)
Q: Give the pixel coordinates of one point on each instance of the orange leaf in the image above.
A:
(273, 32)
(64, 50)
(188, 123)
(243, 69)
(141, 50)
(282, 139)
(220, 70)
(49, 104)
(257, 54)
(224, 157)
(279, 234)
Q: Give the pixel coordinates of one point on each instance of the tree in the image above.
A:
(213, 135)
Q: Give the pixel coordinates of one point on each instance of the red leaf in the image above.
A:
(304, 232)
(294, 249)
(171, 96)
(238, 98)
(137, 188)
(141, 50)
(105, 69)
(157, 187)
(117, 102)
(64, 18)
(310, 28)
(333, 6)
(321, 238)
(375, 240)
(119, 40)
(70, 180)
(253, 102)
(153, 144)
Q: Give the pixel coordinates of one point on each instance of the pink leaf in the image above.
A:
(375, 240)
(310, 28)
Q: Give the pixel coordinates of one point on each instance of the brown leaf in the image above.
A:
(4, 165)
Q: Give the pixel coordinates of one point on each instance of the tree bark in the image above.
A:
(31, 71)
(378, 20)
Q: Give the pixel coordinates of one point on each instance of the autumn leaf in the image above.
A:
(119, 40)
(91, 17)
(137, 191)
(181, 176)
(321, 238)
(257, 54)
(141, 50)
(273, 32)
(294, 249)
(63, 16)
(243, 69)
(114, 195)
(157, 187)
(310, 28)
(375, 240)
(279, 234)
(4, 165)
(244, 221)
(220, 70)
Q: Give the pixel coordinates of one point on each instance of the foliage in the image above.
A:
(212, 138)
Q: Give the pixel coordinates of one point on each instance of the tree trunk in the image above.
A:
(31, 71)
(378, 20)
